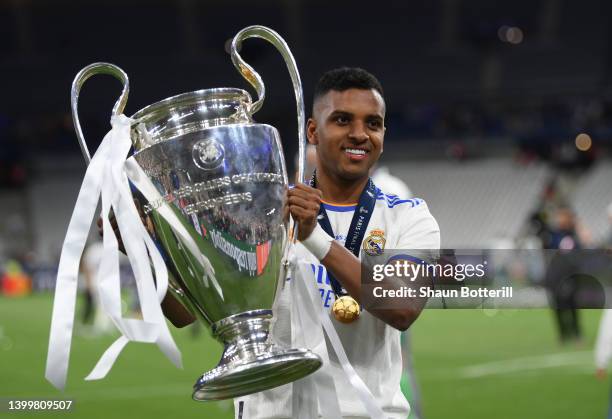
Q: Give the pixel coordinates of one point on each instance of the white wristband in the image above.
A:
(318, 243)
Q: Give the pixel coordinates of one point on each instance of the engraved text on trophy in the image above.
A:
(217, 185)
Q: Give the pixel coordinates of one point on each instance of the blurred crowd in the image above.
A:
(242, 228)
(541, 130)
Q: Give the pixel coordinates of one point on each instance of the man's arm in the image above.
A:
(347, 269)
(174, 311)
(304, 203)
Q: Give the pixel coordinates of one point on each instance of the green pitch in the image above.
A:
(506, 365)
(470, 364)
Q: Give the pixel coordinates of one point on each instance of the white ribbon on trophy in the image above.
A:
(105, 179)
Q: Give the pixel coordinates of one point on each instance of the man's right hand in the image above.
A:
(304, 202)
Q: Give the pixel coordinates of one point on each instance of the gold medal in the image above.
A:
(346, 309)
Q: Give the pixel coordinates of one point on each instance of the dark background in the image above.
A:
(448, 74)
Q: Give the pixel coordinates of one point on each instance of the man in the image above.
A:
(347, 127)
(392, 185)
(560, 278)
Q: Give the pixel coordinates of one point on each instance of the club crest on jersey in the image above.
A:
(374, 243)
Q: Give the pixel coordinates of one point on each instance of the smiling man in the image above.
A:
(339, 213)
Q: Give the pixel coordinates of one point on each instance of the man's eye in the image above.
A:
(341, 119)
(375, 124)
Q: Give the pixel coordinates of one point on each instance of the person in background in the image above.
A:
(603, 343)
(14, 282)
(607, 244)
(603, 350)
(95, 322)
(394, 185)
(560, 275)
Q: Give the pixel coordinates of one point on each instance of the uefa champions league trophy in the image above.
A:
(223, 177)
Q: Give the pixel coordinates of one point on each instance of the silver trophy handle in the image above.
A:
(255, 80)
(77, 84)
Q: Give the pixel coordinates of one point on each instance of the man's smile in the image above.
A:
(356, 153)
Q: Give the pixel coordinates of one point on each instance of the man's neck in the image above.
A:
(340, 191)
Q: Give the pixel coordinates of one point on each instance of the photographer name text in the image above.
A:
(428, 292)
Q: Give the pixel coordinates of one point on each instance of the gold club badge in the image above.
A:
(374, 243)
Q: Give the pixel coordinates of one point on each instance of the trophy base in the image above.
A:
(261, 374)
(251, 362)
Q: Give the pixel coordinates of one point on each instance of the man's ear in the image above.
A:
(311, 131)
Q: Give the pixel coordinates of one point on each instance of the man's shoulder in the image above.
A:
(410, 218)
(395, 204)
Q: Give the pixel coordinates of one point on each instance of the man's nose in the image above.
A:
(358, 132)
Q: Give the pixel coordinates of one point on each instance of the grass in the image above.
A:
(464, 361)
(142, 382)
(546, 380)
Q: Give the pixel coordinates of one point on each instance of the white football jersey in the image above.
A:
(372, 346)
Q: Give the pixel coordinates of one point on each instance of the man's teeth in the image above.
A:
(355, 151)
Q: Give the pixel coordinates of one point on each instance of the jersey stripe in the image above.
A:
(393, 200)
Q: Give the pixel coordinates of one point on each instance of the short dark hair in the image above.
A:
(344, 78)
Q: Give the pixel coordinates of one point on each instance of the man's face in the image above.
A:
(348, 128)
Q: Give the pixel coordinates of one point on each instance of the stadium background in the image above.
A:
(497, 111)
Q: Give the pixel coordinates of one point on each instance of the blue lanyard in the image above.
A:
(359, 224)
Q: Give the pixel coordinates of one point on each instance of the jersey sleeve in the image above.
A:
(419, 233)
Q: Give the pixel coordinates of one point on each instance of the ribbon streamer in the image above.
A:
(139, 179)
(307, 318)
(105, 179)
(315, 322)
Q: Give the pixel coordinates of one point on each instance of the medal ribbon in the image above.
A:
(314, 318)
(357, 229)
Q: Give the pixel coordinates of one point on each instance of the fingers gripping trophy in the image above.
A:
(215, 182)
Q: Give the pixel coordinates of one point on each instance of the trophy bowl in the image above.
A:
(223, 178)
